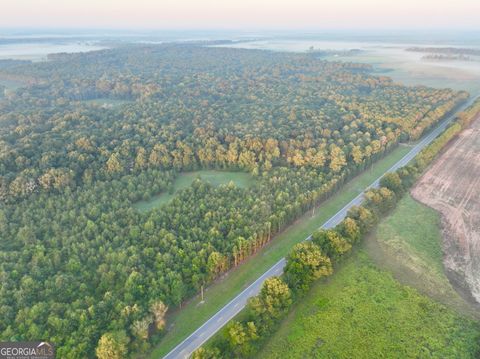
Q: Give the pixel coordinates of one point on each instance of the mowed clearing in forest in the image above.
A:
(214, 177)
(452, 186)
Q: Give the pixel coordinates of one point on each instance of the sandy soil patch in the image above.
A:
(452, 187)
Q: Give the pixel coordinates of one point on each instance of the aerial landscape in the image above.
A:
(239, 180)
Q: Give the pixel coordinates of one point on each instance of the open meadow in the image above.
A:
(363, 312)
(408, 243)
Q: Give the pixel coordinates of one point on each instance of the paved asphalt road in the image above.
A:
(223, 316)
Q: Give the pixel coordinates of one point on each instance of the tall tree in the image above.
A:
(306, 263)
(112, 345)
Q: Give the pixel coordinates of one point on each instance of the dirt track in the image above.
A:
(452, 187)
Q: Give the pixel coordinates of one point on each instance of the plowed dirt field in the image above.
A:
(452, 187)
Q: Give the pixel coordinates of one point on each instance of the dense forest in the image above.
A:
(79, 265)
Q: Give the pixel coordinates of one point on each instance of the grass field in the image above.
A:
(408, 243)
(183, 322)
(216, 178)
(414, 229)
(363, 312)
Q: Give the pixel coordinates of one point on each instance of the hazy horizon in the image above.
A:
(304, 15)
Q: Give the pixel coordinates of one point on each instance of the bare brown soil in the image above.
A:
(452, 187)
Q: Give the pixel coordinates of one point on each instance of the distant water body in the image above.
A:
(38, 51)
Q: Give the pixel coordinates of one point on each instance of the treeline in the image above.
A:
(449, 57)
(445, 50)
(312, 260)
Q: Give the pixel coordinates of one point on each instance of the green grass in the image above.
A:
(408, 243)
(415, 228)
(184, 180)
(183, 322)
(363, 312)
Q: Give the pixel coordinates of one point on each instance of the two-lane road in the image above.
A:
(224, 315)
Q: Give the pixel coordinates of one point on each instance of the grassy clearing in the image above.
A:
(408, 243)
(414, 228)
(183, 322)
(106, 102)
(184, 180)
(363, 312)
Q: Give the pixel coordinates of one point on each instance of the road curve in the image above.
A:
(230, 310)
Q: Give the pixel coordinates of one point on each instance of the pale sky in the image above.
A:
(241, 14)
